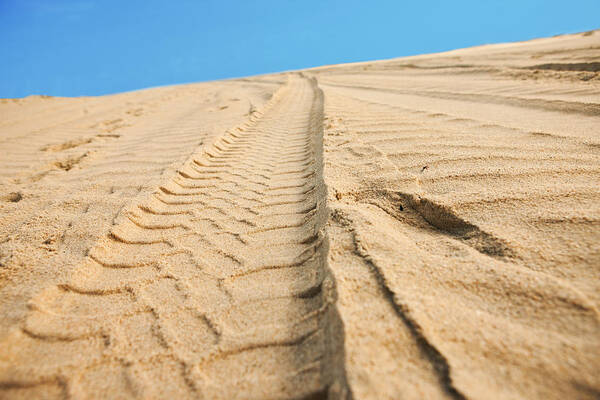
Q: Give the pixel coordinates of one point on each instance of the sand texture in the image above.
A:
(422, 227)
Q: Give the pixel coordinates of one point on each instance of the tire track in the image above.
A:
(215, 286)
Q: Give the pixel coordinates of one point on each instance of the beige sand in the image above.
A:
(424, 227)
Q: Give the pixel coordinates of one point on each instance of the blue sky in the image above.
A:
(72, 48)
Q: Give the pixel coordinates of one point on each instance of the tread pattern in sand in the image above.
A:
(219, 272)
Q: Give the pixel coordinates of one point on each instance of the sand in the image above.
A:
(422, 227)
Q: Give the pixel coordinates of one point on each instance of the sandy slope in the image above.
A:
(425, 227)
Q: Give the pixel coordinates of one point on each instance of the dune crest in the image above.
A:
(422, 227)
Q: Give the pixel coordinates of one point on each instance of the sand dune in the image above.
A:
(422, 227)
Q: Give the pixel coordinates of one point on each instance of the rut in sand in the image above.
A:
(215, 286)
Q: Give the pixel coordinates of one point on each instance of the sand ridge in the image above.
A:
(424, 227)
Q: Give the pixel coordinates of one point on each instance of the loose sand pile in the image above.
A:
(424, 227)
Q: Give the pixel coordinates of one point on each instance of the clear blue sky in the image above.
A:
(91, 47)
